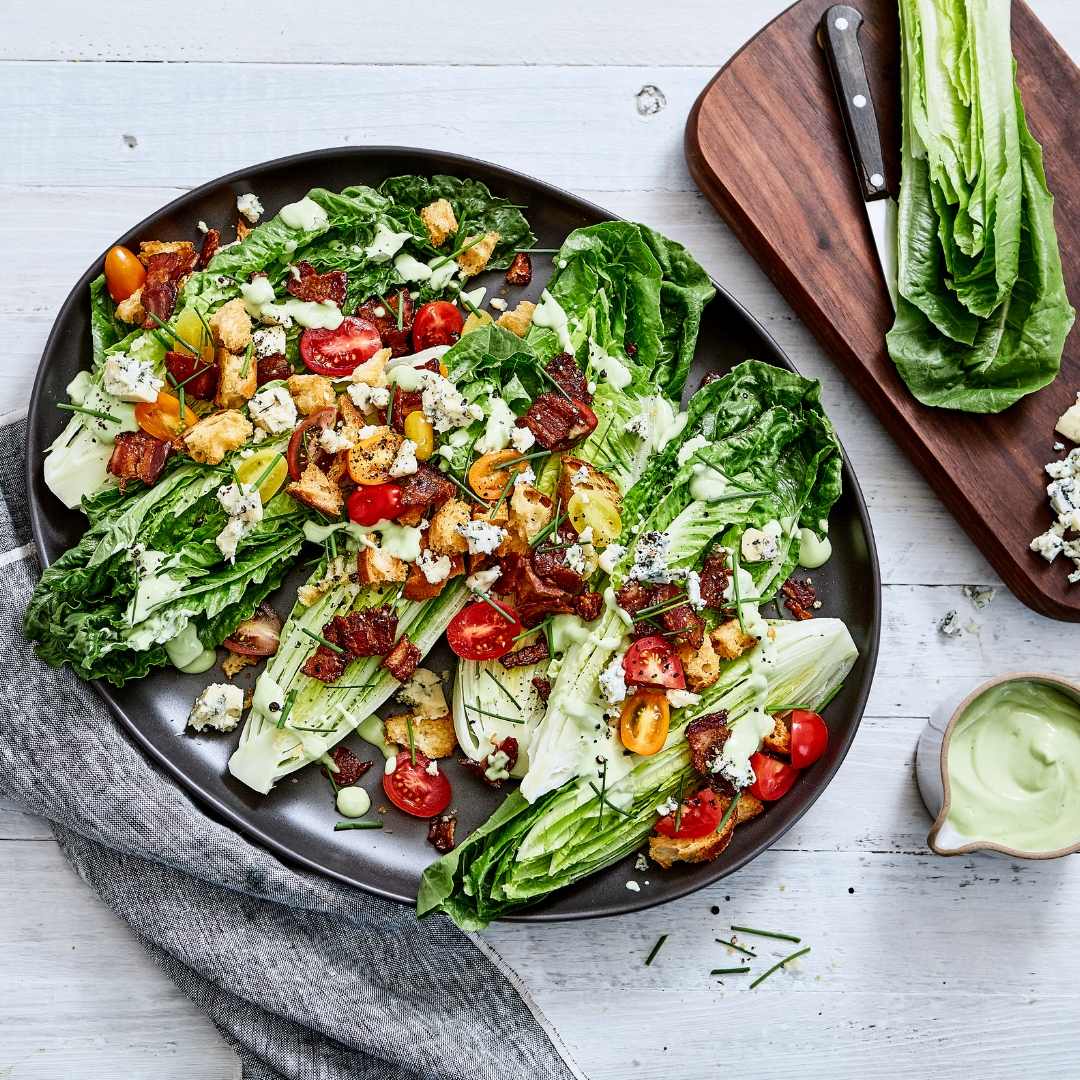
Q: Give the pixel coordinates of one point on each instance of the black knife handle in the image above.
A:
(838, 35)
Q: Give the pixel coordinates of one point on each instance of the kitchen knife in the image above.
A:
(838, 35)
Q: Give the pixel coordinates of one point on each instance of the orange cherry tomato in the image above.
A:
(161, 418)
(123, 273)
(488, 474)
(644, 722)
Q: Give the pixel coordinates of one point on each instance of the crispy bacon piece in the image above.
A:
(210, 244)
(551, 566)
(440, 832)
(272, 369)
(508, 746)
(709, 377)
(799, 597)
(528, 654)
(200, 380)
(396, 340)
(425, 487)
(364, 633)
(557, 423)
(402, 659)
(312, 286)
(715, 576)
(164, 272)
(631, 349)
(682, 622)
(565, 372)
(542, 686)
(632, 597)
(588, 605)
(349, 767)
(405, 402)
(520, 271)
(325, 665)
(535, 596)
(138, 456)
(706, 737)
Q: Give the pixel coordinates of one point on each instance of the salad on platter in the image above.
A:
(533, 481)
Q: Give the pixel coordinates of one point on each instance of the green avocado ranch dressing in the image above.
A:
(1014, 767)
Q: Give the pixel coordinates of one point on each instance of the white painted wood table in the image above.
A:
(920, 966)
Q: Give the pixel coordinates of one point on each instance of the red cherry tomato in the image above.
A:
(375, 502)
(297, 454)
(651, 661)
(337, 352)
(701, 813)
(586, 426)
(772, 778)
(479, 632)
(258, 636)
(809, 737)
(123, 273)
(413, 789)
(437, 323)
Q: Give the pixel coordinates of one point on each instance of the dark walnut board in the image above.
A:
(765, 143)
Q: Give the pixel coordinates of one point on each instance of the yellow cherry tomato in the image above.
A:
(475, 320)
(489, 474)
(593, 509)
(418, 428)
(644, 722)
(161, 418)
(190, 331)
(123, 273)
(268, 462)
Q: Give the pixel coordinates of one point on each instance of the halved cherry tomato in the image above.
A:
(123, 273)
(338, 352)
(772, 778)
(595, 510)
(585, 426)
(437, 323)
(372, 504)
(161, 418)
(488, 475)
(297, 453)
(410, 787)
(651, 661)
(701, 813)
(809, 737)
(644, 722)
(258, 636)
(251, 469)
(479, 632)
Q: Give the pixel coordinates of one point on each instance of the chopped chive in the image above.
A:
(205, 324)
(352, 686)
(89, 412)
(412, 738)
(551, 378)
(655, 949)
(400, 311)
(536, 251)
(729, 971)
(605, 801)
(248, 353)
(472, 308)
(286, 708)
(181, 407)
(498, 682)
(468, 491)
(330, 765)
(533, 629)
(174, 335)
(779, 964)
(342, 826)
(735, 588)
(682, 803)
(390, 407)
(458, 251)
(737, 948)
(498, 716)
(266, 472)
(502, 494)
(766, 933)
(550, 527)
(832, 693)
(525, 457)
(668, 605)
(317, 730)
(731, 808)
(322, 641)
(491, 603)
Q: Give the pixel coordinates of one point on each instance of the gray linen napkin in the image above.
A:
(308, 979)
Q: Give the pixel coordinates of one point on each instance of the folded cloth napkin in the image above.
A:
(307, 978)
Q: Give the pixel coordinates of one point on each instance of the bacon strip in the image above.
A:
(312, 286)
(211, 243)
(272, 369)
(565, 372)
(164, 272)
(440, 832)
(520, 271)
(557, 423)
(349, 767)
(396, 339)
(706, 737)
(526, 655)
(425, 487)
(402, 659)
(799, 597)
(138, 456)
(715, 576)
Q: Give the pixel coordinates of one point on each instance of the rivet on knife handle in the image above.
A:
(838, 34)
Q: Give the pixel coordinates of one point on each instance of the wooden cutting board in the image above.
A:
(765, 143)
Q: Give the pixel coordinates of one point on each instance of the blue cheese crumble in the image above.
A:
(219, 707)
(481, 536)
(130, 379)
(273, 410)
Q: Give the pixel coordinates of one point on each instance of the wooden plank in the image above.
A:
(766, 145)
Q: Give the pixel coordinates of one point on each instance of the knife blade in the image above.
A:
(838, 35)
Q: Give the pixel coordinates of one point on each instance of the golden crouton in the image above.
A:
(234, 663)
(242, 228)
(160, 247)
(131, 309)
(666, 851)
(571, 479)
(371, 458)
(731, 641)
(701, 666)
(238, 381)
(779, 739)
(439, 220)
(231, 326)
(311, 393)
(530, 511)
(475, 256)
(217, 435)
(433, 736)
(519, 320)
(444, 536)
(373, 370)
(376, 567)
(317, 490)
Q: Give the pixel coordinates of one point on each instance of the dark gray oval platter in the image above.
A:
(296, 819)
